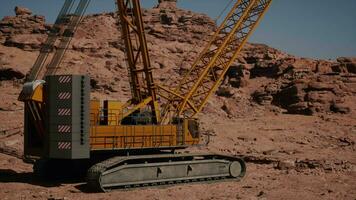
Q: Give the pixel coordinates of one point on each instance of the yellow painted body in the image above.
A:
(107, 133)
(94, 111)
(171, 127)
(112, 111)
(32, 96)
(138, 136)
(35, 95)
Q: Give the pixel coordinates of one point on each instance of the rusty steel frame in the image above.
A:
(138, 60)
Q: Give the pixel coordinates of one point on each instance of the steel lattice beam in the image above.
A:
(63, 30)
(207, 72)
(138, 60)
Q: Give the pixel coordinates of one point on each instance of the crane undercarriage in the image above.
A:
(148, 170)
(163, 169)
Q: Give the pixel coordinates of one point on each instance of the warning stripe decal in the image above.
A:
(65, 79)
(64, 95)
(64, 145)
(64, 112)
(64, 128)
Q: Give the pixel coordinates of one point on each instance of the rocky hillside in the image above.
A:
(261, 78)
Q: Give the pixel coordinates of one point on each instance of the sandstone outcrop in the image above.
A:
(175, 37)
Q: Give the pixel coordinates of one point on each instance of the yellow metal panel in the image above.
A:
(133, 136)
(32, 91)
(113, 112)
(38, 94)
(94, 112)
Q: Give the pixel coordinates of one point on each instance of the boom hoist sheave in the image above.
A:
(132, 144)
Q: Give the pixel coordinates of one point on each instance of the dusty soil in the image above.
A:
(292, 119)
(321, 149)
(288, 157)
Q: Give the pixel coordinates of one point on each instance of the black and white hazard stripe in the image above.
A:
(64, 112)
(64, 145)
(64, 129)
(65, 79)
(64, 95)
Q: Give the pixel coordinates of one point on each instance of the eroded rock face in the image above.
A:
(178, 25)
(348, 63)
(170, 4)
(22, 11)
(24, 24)
(26, 41)
(299, 85)
(260, 75)
(10, 74)
(312, 94)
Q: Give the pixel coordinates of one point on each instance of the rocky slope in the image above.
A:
(245, 116)
(175, 37)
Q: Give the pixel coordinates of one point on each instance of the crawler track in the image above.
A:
(154, 170)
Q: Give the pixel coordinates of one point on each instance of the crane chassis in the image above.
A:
(130, 144)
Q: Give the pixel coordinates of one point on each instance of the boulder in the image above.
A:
(320, 86)
(26, 41)
(167, 4)
(167, 18)
(226, 108)
(89, 45)
(225, 91)
(10, 74)
(157, 31)
(305, 64)
(323, 97)
(262, 97)
(340, 108)
(286, 165)
(23, 24)
(349, 63)
(291, 95)
(239, 82)
(346, 59)
(264, 69)
(324, 67)
(351, 67)
(301, 108)
(165, 62)
(339, 68)
(238, 76)
(22, 11)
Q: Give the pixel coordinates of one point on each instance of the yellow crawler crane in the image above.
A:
(130, 144)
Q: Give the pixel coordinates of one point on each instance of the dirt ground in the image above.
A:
(288, 157)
